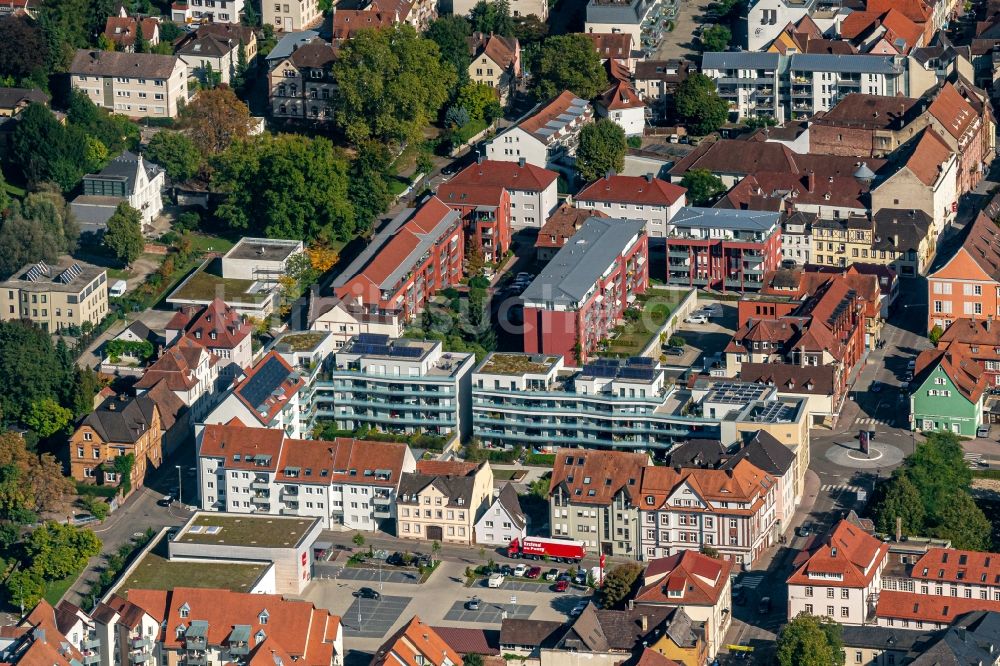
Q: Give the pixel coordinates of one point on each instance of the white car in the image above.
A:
(696, 318)
(520, 570)
(495, 580)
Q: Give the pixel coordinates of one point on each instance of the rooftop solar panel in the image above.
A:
(406, 352)
(268, 378)
(373, 338)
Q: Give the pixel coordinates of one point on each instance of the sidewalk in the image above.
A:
(810, 492)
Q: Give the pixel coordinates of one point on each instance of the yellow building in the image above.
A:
(904, 239)
(67, 294)
(119, 427)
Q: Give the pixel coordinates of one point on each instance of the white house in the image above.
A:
(767, 18)
(211, 11)
(215, 48)
(533, 190)
(347, 483)
(190, 371)
(547, 134)
(127, 178)
(264, 259)
(646, 198)
(504, 521)
(622, 105)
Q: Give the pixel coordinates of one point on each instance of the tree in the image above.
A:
(451, 34)
(710, 551)
(4, 199)
(435, 551)
(169, 31)
(215, 119)
(391, 84)
(358, 539)
(529, 30)
(46, 151)
(492, 18)
(702, 186)
(716, 38)
(602, 149)
(39, 228)
(480, 100)
(25, 588)
(141, 43)
(56, 550)
(901, 500)
(24, 52)
(568, 62)
(699, 105)
(937, 468)
(618, 583)
(963, 523)
(472, 659)
(47, 417)
(368, 189)
(242, 67)
(115, 132)
(935, 334)
(176, 153)
(29, 369)
(124, 233)
(540, 487)
(474, 261)
(808, 641)
(30, 482)
(285, 186)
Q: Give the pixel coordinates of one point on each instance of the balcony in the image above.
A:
(196, 659)
(140, 643)
(91, 657)
(91, 643)
(261, 500)
(239, 649)
(289, 491)
(257, 484)
(140, 658)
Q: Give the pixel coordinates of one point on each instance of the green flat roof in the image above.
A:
(259, 531)
(204, 286)
(515, 364)
(155, 572)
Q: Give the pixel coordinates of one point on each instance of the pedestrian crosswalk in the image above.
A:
(842, 487)
(752, 580)
(972, 459)
(873, 421)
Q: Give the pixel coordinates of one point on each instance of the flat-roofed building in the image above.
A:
(67, 294)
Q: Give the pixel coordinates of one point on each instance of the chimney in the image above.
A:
(811, 180)
(112, 405)
(895, 241)
(649, 178)
(986, 324)
(520, 162)
(645, 623)
(479, 158)
(899, 529)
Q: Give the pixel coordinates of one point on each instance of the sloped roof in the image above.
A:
(848, 552)
(177, 366)
(545, 120)
(982, 245)
(641, 190)
(591, 476)
(167, 403)
(916, 10)
(510, 503)
(509, 175)
(766, 453)
(621, 95)
(788, 378)
(501, 50)
(215, 325)
(971, 331)
(930, 153)
(268, 386)
(123, 30)
(121, 420)
(415, 639)
(119, 63)
(699, 578)
(871, 111)
(562, 224)
(952, 110)
(967, 375)
(611, 44)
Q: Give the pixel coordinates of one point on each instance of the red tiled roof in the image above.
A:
(930, 154)
(229, 326)
(273, 403)
(982, 245)
(43, 616)
(847, 552)
(447, 467)
(413, 640)
(898, 26)
(958, 566)
(952, 110)
(743, 482)
(347, 22)
(621, 95)
(765, 190)
(916, 10)
(967, 375)
(971, 331)
(509, 175)
(651, 657)
(177, 367)
(122, 30)
(633, 190)
(562, 224)
(547, 113)
(593, 476)
(701, 579)
(504, 51)
(928, 608)
(611, 44)
(467, 640)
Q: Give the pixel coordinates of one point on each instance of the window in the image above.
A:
(829, 593)
(844, 611)
(845, 594)
(809, 609)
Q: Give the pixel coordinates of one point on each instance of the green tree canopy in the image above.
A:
(568, 62)
(215, 119)
(391, 84)
(618, 582)
(24, 53)
(30, 482)
(116, 132)
(176, 153)
(808, 641)
(47, 417)
(492, 18)
(451, 34)
(702, 186)
(124, 233)
(716, 38)
(699, 105)
(285, 186)
(368, 190)
(479, 100)
(901, 500)
(963, 523)
(39, 228)
(602, 149)
(47, 151)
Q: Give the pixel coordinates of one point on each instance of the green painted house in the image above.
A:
(947, 393)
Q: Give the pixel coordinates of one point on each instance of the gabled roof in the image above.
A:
(591, 476)
(347, 22)
(698, 578)
(216, 325)
(123, 30)
(982, 245)
(494, 173)
(167, 403)
(640, 190)
(511, 505)
(740, 482)
(546, 121)
(871, 111)
(788, 378)
(766, 453)
(929, 608)
(504, 51)
(621, 95)
(742, 157)
(608, 631)
(611, 44)
(121, 420)
(967, 375)
(562, 224)
(530, 633)
(178, 366)
(952, 110)
(119, 63)
(971, 332)
(207, 46)
(415, 639)
(126, 168)
(268, 386)
(847, 557)
(916, 10)
(317, 54)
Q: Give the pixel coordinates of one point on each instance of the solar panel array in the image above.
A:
(637, 367)
(70, 274)
(373, 338)
(264, 382)
(375, 348)
(36, 272)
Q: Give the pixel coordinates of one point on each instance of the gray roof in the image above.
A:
(452, 487)
(765, 453)
(616, 630)
(725, 218)
(848, 64)
(288, 43)
(93, 212)
(578, 265)
(208, 46)
(508, 500)
(908, 227)
(740, 60)
(883, 638)
(617, 11)
(11, 97)
(120, 63)
(972, 639)
(533, 633)
(120, 420)
(125, 168)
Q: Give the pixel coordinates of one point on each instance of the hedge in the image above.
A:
(542, 459)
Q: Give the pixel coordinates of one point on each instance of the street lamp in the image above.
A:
(180, 486)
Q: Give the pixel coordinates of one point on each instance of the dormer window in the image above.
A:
(184, 610)
(259, 637)
(262, 618)
(181, 628)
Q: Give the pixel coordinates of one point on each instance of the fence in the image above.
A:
(683, 309)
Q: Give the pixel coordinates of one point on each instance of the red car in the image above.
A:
(561, 585)
(533, 572)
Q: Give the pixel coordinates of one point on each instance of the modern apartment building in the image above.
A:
(723, 248)
(401, 385)
(443, 500)
(289, 15)
(532, 190)
(621, 16)
(584, 291)
(819, 80)
(138, 85)
(349, 484)
(410, 260)
(486, 213)
(750, 82)
(546, 134)
(67, 294)
(593, 497)
(646, 198)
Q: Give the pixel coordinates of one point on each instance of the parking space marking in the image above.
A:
(372, 575)
(488, 613)
(376, 616)
(526, 586)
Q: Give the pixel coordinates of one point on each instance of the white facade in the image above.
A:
(632, 120)
(529, 209)
(819, 80)
(796, 243)
(767, 18)
(539, 8)
(146, 194)
(344, 323)
(497, 527)
(657, 218)
(749, 82)
(287, 418)
(215, 11)
(289, 15)
(516, 144)
(259, 258)
(139, 95)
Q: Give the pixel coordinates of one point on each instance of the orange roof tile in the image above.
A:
(592, 476)
(952, 110)
(562, 224)
(414, 640)
(640, 190)
(700, 578)
(177, 366)
(929, 156)
(967, 375)
(847, 557)
(509, 175)
(928, 608)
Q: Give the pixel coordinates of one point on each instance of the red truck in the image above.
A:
(558, 550)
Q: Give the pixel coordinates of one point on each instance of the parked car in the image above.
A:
(551, 574)
(983, 431)
(561, 585)
(911, 364)
(579, 608)
(495, 580)
(696, 318)
(739, 594)
(580, 578)
(804, 530)
(367, 593)
(525, 276)
(533, 572)
(472, 604)
(672, 351)
(764, 607)
(166, 500)
(506, 570)
(520, 570)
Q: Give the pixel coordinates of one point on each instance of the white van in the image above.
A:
(495, 580)
(117, 289)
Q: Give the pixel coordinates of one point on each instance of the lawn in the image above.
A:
(205, 243)
(655, 307)
(156, 573)
(204, 286)
(398, 185)
(508, 474)
(55, 590)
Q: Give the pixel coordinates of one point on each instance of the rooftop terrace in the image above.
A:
(517, 364)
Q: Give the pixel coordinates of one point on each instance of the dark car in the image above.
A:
(367, 593)
(561, 585)
(506, 570)
(764, 607)
(564, 576)
(739, 595)
(396, 559)
(450, 169)
(580, 578)
(166, 500)
(670, 350)
(804, 530)
(875, 387)
(533, 572)
(472, 604)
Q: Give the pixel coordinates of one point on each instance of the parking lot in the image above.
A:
(374, 576)
(488, 613)
(372, 618)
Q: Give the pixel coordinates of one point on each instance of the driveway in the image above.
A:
(680, 42)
